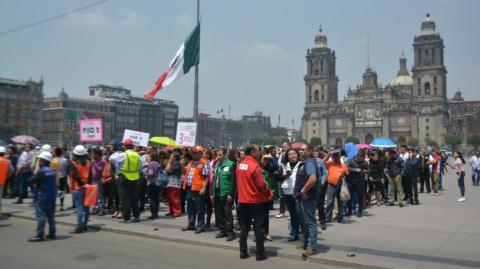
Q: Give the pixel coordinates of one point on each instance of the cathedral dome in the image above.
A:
(320, 39)
(63, 95)
(428, 26)
(402, 78)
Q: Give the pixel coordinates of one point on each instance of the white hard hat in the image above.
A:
(47, 147)
(80, 150)
(3, 149)
(47, 156)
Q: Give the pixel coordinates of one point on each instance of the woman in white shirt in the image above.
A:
(460, 169)
(289, 173)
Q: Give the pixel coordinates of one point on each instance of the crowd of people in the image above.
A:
(237, 186)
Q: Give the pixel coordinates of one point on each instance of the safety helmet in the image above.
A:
(80, 150)
(3, 149)
(128, 142)
(45, 155)
(47, 147)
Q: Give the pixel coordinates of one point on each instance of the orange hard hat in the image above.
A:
(128, 142)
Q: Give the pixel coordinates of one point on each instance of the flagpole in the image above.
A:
(195, 85)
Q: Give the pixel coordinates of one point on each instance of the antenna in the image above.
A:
(368, 48)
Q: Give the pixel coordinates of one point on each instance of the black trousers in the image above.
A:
(413, 188)
(425, 181)
(223, 213)
(256, 212)
(321, 203)
(142, 192)
(153, 192)
(130, 198)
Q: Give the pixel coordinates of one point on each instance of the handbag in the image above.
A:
(162, 179)
(344, 193)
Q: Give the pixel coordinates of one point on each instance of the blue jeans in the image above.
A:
(306, 216)
(357, 191)
(476, 174)
(43, 212)
(291, 206)
(100, 194)
(83, 212)
(22, 185)
(461, 183)
(333, 192)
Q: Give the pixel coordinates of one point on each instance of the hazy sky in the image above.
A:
(252, 51)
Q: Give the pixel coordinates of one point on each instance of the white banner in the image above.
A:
(91, 130)
(139, 138)
(186, 132)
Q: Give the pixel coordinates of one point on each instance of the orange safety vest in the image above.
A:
(4, 165)
(197, 179)
(83, 172)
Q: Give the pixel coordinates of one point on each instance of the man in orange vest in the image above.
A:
(6, 169)
(253, 193)
(195, 186)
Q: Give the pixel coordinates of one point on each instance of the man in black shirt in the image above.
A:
(357, 178)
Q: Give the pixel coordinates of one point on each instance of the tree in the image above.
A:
(453, 140)
(315, 141)
(258, 140)
(412, 142)
(431, 142)
(352, 139)
(474, 140)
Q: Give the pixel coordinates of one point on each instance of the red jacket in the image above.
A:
(251, 185)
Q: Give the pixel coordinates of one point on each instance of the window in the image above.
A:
(427, 120)
(418, 81)
(92, 92)
(316, 96)
(433, 55)
(434, 79)
(321, 65)
(435, 90)
(323, 97)
(323, 88)
(427, 88)
(427, 128)
(314, 131)
(314, 124)
(419, 91)
(427, 134)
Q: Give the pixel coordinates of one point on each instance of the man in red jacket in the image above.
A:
(252, 195)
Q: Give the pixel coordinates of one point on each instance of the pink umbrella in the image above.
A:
(363, 146)
(25, 139)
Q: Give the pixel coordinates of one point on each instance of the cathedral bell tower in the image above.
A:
(321, 82)
(429, 72)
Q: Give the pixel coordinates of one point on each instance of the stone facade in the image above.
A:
(21, 107)
(407, 107)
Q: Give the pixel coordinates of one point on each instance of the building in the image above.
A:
(409, 106)
(464, 116)
(256, 125)
(157, 117)
(20, 107)
(118, 109)
(218, 132)
(61, 116)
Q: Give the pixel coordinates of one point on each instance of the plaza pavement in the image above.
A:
(440, 233)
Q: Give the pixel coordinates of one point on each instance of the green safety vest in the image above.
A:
(131, 166)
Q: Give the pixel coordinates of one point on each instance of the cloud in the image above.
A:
(184, 20)
(256, 52)
(92, 19)
(97, 19)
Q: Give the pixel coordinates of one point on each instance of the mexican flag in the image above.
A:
(187, 56)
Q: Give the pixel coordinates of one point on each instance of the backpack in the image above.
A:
(162, 179)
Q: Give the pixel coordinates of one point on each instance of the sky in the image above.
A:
(252, 52)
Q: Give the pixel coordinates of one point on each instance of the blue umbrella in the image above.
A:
(350, 150)
(383, 143)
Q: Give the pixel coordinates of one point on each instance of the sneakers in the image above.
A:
(462, 199)
(51, 237)
(244, 255)
(221, 235)
(230, 237)
(260, 257)
(280, 215)
(308, 252)
(36, 239)
(77, 231)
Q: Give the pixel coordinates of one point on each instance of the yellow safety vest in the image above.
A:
(131, 166)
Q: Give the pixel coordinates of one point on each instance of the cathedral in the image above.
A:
(412, 105)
